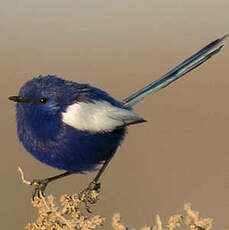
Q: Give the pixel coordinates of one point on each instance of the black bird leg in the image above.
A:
(40, 185)
(91, 193)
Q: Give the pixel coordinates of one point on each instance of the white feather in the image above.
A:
(99, 116)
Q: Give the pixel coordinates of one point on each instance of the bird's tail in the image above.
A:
(190, 63)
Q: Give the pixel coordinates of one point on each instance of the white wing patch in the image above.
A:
(99, 116)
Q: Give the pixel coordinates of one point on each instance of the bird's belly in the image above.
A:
(76, 151)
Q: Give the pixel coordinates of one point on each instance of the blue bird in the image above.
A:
(76, 127)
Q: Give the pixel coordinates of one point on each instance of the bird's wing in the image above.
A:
(190, 63)
(98, 116)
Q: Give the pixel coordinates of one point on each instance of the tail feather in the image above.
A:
(190, 63)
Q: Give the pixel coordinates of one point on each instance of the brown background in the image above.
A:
(180, 155)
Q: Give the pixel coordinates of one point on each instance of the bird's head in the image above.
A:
(43, 96)
(40, 104)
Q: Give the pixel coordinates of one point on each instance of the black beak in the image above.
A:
(18, 99)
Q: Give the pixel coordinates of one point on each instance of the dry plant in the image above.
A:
(67, 215)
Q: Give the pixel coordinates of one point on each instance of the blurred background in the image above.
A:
(180, 155)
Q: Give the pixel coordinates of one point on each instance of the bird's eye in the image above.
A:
(43, 100)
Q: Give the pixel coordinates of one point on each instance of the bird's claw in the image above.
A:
(90, 195)
(39, 187)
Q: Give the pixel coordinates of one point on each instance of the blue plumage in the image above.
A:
(75, 127)
(47, 138)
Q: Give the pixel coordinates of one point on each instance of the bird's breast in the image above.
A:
(67, 147)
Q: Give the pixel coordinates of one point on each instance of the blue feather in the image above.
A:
(43, 101)
(48, 139)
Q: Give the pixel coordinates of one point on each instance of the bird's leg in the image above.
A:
(40, 185)
(91, 193)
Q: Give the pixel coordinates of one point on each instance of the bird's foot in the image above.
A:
(39, 187)
(90, 195)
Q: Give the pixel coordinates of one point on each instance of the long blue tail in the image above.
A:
(190, 63)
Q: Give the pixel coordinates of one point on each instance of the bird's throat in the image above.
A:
(41, 126)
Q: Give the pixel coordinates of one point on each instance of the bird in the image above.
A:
(76, 127)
